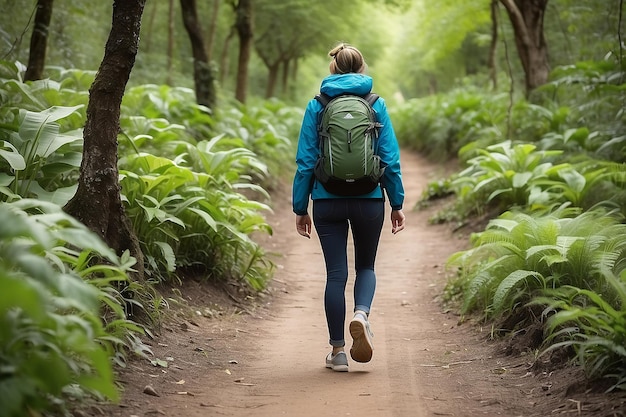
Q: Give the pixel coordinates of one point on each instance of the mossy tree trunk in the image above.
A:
(97, 202)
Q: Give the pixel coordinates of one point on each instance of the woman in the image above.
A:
(333, 215)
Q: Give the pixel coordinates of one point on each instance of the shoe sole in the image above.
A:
(338, 368)
(362, 348)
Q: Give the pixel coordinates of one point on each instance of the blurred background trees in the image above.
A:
(414, 48)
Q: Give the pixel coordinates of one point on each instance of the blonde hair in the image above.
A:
(346, 59)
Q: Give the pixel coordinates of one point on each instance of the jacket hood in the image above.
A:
(352, 83)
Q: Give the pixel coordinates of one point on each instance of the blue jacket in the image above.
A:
(304, 182)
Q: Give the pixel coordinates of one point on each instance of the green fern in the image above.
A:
(555, 251)
(594, 324)
(506, 291)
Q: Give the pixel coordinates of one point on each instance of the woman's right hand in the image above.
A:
(397, 221)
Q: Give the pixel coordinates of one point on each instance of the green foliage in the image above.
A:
(440, 125)
(175, 105)
(595, 92)
(55, 343)
(439, 43)
(519, 255)
(521, 175)
(593, 323)
(572, 263)
(586, 184)
(190, 191)
(162, 120)
(434, 190)
(269, 129)
(190, 195)
(562, 168)
(40, 135)
(191, 214)
(36, 159)
(505, 173)
(444, 26)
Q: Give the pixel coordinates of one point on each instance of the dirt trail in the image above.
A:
(289, 376)
(271, 362)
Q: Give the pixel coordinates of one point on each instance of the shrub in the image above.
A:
(56, 346)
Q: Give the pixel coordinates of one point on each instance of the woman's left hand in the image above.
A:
(303, 225)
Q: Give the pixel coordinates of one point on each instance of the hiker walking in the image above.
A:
(347, 155)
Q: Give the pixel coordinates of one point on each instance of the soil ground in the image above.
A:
(225, 355)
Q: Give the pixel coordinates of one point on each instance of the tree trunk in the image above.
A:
(97, 202)
(147, 37)
(285, 80)
(202, 75)
(39, 41)
(245, 32)
(272, 78)
(493, 70)
(170, 42)
(224, 58)
(213, 29)
(527, 19)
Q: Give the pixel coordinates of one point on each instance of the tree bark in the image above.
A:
(39, 41)
(527, 19)
(213, 29)
(97, 202)
(224, 57)
(170, 41)
(202, 75)
(285, 81)
(272, 79)
(245, 32)
(493, 70)
(148, 33)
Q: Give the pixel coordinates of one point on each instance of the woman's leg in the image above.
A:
(331, 225)
(366, 220)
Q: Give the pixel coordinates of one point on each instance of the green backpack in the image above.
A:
(348, 163)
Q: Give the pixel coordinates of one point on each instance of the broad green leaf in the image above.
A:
(60, 196)
(206, 217)
(520, 179)
(168, 255)
(574, 179)
(6, 179)
(578, 135)
(22, 292)
(12, 156)
(55, 113)
(48, 144)
(505, 224)
(74, 293)
(498, 192)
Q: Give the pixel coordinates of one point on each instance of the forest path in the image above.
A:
(271, 362)
(290, 377)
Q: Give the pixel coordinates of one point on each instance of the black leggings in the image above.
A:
(332, 218)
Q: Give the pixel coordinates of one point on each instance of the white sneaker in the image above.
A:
(362, 346)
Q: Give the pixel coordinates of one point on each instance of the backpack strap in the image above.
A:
(322, 98)
(371, 98)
